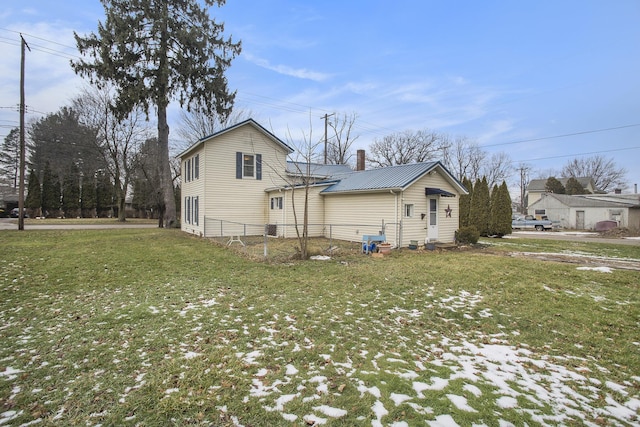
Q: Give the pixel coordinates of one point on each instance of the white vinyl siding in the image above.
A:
(354, 215)
(286, 215)
(228, 198)
(415, 228)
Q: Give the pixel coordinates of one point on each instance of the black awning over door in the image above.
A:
(430, 191)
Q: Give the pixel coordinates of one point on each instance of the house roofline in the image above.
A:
(233, 127)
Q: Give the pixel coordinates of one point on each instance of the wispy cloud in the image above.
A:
(300, 73)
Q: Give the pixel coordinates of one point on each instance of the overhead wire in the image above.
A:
(292, 107)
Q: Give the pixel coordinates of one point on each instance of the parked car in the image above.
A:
(14, 213)
(531, 223)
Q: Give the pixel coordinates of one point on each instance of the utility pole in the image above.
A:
(326, 117)
(23, 44)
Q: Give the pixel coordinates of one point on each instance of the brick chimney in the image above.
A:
(360, 160)
(618, 191)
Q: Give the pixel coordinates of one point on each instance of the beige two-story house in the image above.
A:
(239, 182)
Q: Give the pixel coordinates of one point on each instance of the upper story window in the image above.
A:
(248, 165)
(192, 168)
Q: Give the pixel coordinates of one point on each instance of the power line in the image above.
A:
(579, 154)
(39, 38)
(562, 136)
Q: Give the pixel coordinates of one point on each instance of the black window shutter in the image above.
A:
(238, 165)
(258, 166)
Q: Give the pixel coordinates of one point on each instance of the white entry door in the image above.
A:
(432, 219)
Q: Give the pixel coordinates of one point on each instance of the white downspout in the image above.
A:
(397, 225)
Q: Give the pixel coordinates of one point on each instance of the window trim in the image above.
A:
(409, 210)
(276, 203)
(240, 166)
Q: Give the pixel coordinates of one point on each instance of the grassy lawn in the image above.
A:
(86, 221)
(154, 327)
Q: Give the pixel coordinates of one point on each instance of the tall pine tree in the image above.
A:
(71, 192)
(156, 51)
(50, 192)
(480, 207)
(465, 203)
(501, 212)
(10, 158)
(33, 200)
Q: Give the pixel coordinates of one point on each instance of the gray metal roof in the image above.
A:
(588, 201)
(392, 177)
(318, 170)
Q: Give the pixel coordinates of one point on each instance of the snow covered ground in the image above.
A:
(302, 381)
(464, 369)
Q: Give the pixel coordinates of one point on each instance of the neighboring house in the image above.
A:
(536, 187)
(582, 212)
(241, 175)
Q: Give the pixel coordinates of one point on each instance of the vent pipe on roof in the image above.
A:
(360, 160)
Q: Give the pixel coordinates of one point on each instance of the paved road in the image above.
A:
(12, 224)
(574, 237)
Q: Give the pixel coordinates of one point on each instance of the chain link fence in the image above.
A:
(282, 241)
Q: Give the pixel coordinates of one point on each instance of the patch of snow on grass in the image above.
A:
(472, 389)
(436, 384)
(506, 402)
(191, 355)
(443, 421)
(600, 269)
(398, 399)
(313, 420)
(291, 370)
(460, 402)
(330, 411)
(380, 411)
(10, 373)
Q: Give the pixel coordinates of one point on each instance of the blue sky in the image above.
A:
(497, 72)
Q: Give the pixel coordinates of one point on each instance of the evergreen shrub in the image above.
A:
(467, 235)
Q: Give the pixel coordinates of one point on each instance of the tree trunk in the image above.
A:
(164, 168)
(166, 181)
(121, 208)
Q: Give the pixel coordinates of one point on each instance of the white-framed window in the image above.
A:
(187, 210)
(192, 168)
(195, 210)
(248, 165)
(276, 203)
(191, 209)
(408, 211)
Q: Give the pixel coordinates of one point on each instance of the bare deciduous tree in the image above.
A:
(405, 147)
(118, 139)
(606, 175)
(524, 170)
(306, 153)
(339, 146)
(497, 168)
(464, 158)
(198, 123)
